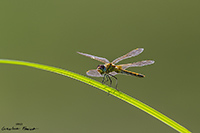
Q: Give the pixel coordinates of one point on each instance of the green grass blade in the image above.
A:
(105, 88)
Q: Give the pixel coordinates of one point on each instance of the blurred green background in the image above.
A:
(51, 32)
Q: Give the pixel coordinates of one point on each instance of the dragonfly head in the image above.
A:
(101, 69)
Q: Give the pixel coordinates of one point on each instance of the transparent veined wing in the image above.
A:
(113, 73)
(93, 73)
(133, 53)
(104, 60)
(137, 64)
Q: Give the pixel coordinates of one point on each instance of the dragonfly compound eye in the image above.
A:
(101, 67)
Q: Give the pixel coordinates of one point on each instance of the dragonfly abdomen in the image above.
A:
(131, 73)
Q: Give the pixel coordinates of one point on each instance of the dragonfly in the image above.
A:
(109, 69)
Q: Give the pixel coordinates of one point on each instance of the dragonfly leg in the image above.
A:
(104, 81)
(109, 79)
(116, 81)
(106, 77)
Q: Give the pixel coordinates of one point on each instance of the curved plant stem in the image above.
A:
(105, 88)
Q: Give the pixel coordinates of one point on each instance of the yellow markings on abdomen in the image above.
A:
(131, 73)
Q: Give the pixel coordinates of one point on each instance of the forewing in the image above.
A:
(133, 53)
(93, 73)
(104, 60)
(137, 64)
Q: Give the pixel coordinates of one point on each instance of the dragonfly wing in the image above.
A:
(93, 73)
(137, 64)
(133, 53)
(113, 73)
(104, 60)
